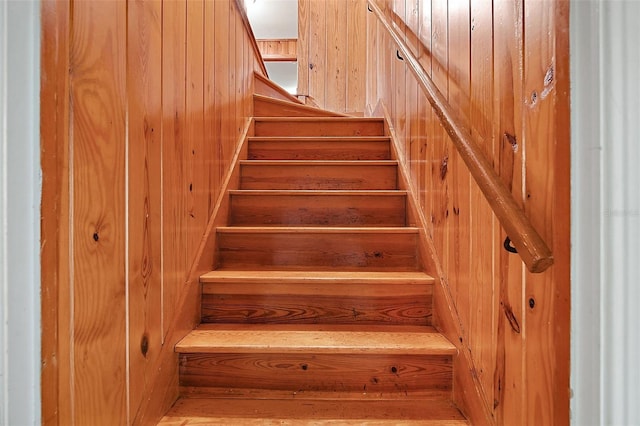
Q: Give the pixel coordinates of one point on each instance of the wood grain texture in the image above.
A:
(324, 175)
(55, 239)
(278, 49)
(513, 90)
(98, 181)
(302, 46)
(508, 376)
(306, 208)
(272, 248)
(126, 118)
(317, 127)
(326, 148)
(145, 193)
(264, 106)
(332, 54)
(174, 177)
(294, 412)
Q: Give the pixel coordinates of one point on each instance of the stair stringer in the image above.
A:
(163, 389)
(266, 87)
(468, 393)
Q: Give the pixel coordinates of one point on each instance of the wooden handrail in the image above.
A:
(247, 25)
(530, 246)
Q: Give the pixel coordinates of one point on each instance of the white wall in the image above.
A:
(273, 18)
(605, 58)
(19, 213)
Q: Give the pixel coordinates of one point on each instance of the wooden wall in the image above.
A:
(332, 54)
(143, 103)
(503, 65)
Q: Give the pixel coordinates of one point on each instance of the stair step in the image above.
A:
(321, 175)
(313, 148)
(329, 208)
(267, 106)
(310, 248)
(317, 339)
(316, 277)
(297, 412)
(316, 297)
(318, 126)
(316, 358)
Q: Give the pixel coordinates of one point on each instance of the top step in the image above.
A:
(318, 126)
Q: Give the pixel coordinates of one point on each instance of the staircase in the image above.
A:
(319, 311)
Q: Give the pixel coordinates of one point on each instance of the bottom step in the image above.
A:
(201, 411)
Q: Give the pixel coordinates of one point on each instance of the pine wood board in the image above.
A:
(314, 126)
(244, 339)
(322, 175)
(316, 277)
(329, 412)
(304, 209)
(329, 148)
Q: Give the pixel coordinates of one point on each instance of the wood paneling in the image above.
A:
(98, 181)
(332, 54)
(278, 49)
(498, 63)
(158, 99)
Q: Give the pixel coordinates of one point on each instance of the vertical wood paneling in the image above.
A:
(441, 156)
(98, 282)
(222, 84)
(157, 99)
(511, 326)
(481, 288)
(197, 173)
(174, 177)
(212, 104)
(317, 51)
(356, 56)
(508, 376)
(539, 127)
(302, 46)
(56, 385)
(332, 53)
(468, 297)
(144, 49)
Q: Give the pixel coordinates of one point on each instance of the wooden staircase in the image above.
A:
(319, 311)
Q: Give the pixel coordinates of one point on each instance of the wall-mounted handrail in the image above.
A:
(529, 244)
(245, 19)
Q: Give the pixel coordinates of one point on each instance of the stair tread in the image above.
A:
(338, 192)
(316, 230)
(317, 277)
(315, 338)
(291, 411)
(328, 139)
(329, 119)
(319, 162)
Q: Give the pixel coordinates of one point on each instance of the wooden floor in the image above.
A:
(319, 311)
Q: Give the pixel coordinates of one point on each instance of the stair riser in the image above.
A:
(376, 252)
(267, 308)
(270, 108)
(319, 150)
(319, 128)
(310, 210)
(322, 177)
(318, 372)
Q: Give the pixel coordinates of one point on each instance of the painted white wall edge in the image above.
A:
(605, 63)
(20, 212)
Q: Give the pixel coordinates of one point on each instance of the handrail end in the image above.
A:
(540, 264)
